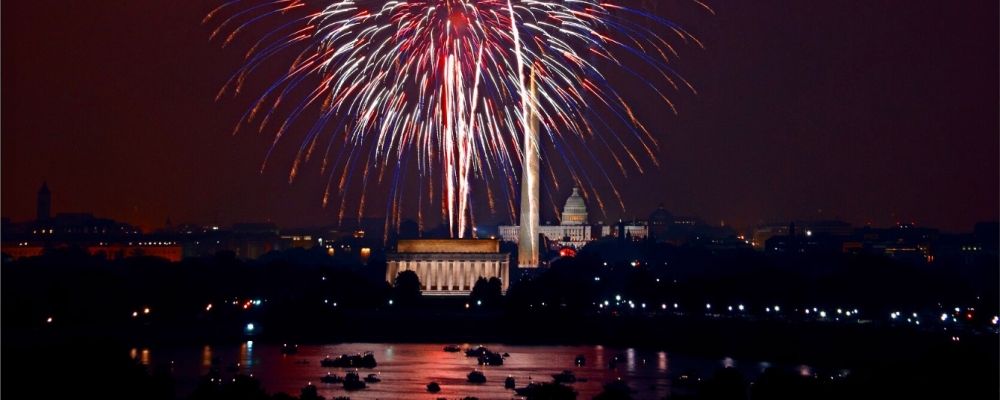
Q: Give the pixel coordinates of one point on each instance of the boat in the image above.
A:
(452, 348)
(289, 349)
(580, 360)
(491, 358)
(479, 351)
(309, 391)
(433, 387)
(508, 383)
(372, 378)
(688, 379)
(477, 377)
(331, 378)
(302, 361)
(505, 355)
(352, 381)
(564, 377)
(351, 361)
(617, 385)
(527, 390)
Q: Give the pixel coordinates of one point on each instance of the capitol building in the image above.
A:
(574, 229)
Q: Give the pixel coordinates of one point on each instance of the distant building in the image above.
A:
(44, 209)
(573, 230)
(659, 223)
(626, 230)
(449, 267)
(828, 231)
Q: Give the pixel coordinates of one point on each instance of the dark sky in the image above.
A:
(867, 111)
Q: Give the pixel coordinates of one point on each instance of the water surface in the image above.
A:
(406, 369)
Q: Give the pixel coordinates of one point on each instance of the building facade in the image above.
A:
(573, 230)
(449, 267)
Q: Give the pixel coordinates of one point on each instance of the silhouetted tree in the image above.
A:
(613, 393)
(552, 391)
(407, 288)
(490, 292)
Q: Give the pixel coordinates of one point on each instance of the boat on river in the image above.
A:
(351, 361)
(479, 351)
(433, 387)
(491, 358)
(617, 385)
(509, 382)
(477, 377)
(564, 377)
(527, 390)
(353, 382)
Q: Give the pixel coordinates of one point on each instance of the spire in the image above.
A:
(44, 204)
(528, 246)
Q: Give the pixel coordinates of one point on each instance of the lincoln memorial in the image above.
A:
(449, 267)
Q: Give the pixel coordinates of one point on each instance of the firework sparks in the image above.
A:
(443, 82)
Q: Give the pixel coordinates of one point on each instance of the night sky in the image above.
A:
(866, 111)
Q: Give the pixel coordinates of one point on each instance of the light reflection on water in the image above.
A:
(406, 369)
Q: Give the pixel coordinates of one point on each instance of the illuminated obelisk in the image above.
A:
(527, 246)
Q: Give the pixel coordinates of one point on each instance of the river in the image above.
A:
(406, 369)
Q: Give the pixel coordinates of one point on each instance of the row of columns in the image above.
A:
(444, 276)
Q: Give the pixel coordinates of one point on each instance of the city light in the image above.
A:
(145, 310)
(708, 306)
(250, 327)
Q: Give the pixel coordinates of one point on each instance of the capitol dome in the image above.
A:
(575, 211)
(660, 221)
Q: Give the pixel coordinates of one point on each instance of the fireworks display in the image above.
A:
(442, 83)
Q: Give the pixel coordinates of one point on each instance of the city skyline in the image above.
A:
(871, 113)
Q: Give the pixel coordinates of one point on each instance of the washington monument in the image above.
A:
(527, 246)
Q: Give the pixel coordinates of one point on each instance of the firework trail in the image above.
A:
(443, 82)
